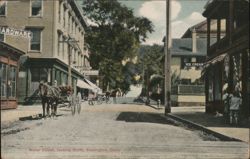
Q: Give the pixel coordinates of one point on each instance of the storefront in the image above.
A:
(50, 70)
(9, 57)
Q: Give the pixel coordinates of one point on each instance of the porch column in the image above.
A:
(218, 29)
(208, 35)
(231, 21)
(244, 80)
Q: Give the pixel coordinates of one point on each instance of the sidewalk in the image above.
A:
(215, 123)
(12, 115)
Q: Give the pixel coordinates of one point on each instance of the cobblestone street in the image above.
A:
(112, 131)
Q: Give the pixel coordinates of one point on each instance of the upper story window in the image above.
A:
(64, 15)
(3, 7)
(35, 42)
(59, 11)
(36, 7)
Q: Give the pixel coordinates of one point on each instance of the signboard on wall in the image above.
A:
(90, 72)
(193, 64)
(15, 32)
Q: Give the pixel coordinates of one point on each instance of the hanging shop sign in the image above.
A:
(15, 32)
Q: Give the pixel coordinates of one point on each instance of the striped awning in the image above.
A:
(213, 61)
(81, 84)
(95, 87)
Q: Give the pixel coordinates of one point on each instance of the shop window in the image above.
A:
(2, 37)
(35, 42)
(8, 80)
(3, 6)
(12, 82)
(39, 74)
(36, 7)
(3, 71)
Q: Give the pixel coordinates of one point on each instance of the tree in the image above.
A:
(151, 70)
(115, 36)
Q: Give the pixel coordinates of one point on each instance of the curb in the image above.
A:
(20, 118)
(191, 124)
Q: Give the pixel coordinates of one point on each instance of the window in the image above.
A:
(12, 82)
(35, 42)
(39, 74)
(36, 7)
(3, 70)
(60, 42)
(69, 22)
(3, 5)
(64, 15)
(8, 80)
(59, 11)
(2, 37)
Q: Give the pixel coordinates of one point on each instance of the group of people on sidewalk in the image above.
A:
(232, 102)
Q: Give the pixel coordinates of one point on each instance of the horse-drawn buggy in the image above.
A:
(52, 96)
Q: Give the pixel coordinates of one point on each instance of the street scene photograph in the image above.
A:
(124, 79)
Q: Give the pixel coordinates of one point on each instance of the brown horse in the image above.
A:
(50, 97)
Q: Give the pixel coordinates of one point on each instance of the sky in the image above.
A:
(184, 14)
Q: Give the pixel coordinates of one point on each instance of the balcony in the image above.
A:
(239, 35)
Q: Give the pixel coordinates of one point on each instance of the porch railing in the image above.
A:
(188, 90)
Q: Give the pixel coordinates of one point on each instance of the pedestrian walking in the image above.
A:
(235, 103)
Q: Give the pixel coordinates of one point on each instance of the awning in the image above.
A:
(95, 88)
(212, 62)
(215, 60)
(80, 83)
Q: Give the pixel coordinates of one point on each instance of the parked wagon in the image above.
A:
(69, 98)
(51, 96)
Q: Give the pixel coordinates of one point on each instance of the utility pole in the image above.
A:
(167, 61)
(69, 65)
(70, 42)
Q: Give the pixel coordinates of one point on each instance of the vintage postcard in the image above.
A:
(124, 79)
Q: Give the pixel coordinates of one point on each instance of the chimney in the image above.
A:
(194, 41)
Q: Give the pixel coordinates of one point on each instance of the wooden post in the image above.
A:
(231, 21)
(244, 80)
(218, 29)
(208, 35)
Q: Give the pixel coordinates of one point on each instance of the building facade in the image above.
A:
(58, 29)
(188, 55)
(9, 60)
(227, 64)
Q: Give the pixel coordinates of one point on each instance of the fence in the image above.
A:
(188, 90)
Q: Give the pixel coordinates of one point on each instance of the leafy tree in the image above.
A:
(115, 36)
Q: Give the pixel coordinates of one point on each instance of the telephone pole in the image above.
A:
(167, 61)
(69, 65)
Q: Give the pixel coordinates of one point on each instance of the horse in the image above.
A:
(50, 96)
